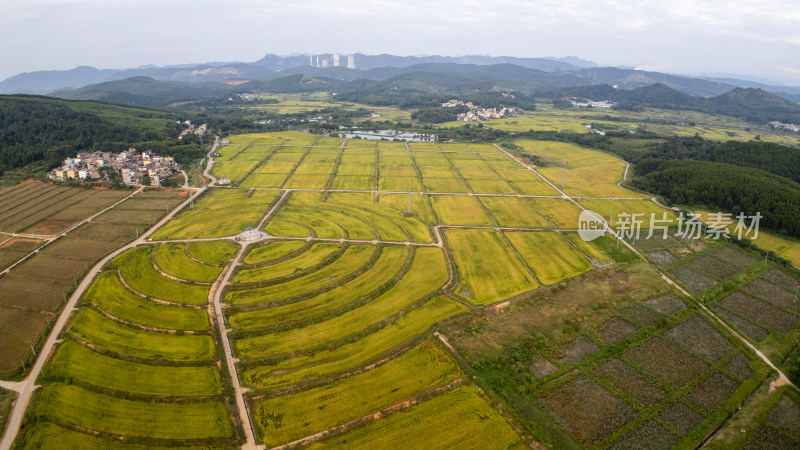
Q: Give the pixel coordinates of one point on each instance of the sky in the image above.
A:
(691, 37)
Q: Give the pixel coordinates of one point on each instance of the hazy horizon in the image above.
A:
(712, 38)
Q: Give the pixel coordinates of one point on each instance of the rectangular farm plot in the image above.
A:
(488, 269)
(307, 182)
(490, 187)
(397, 171)
(438, 172)
(321, 157)
(483, 148)
(395, 184)
(354, 183)
(535, 188)
(223, 212)
(286, 157)
(514, 212)
(459, 210)
(234, 170)
(456, 148)
(550, 255)
(519, 175)
(478, 173)
(314, 169)
(264, 180)
(445, 185)
(562, 212)
(356, 170)
(392, 145)
(430, 159)
(423, 146)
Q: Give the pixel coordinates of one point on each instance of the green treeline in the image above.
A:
(725, 187)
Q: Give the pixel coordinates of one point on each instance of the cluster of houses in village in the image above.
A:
(131, 166)
(191, 128)
(477, 113)
(785, 126)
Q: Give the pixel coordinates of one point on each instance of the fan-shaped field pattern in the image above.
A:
(174, 260)
(137, 271)
(220, 213)
(273, 251)
(217, 253)
(122, 417)
(428, 273)
(470, 421)
(350, 261)
(314, 256)
(389, 268)
(357, 216)
(420, 369)
(122, 372)
(108, 294)
(355, 354)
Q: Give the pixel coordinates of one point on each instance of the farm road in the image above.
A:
(671, 282)
(28, 385)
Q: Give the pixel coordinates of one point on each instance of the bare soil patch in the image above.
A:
(629, 381)
(778, 276)
(616, 329)
(759, 311)
(541, 366)
(701, 338)
(666, 362)
(667, 304)
(786, 415)
(640, 315)
(711, 392)
(662, 257)
(713, 267)
(755, 332)
(772, 293)
(680, 416)
(739, 366)
(696, 282)
(738, 258)
(587, 410)
(651, 435)
(576, 350)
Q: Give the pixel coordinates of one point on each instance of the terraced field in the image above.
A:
(374, 271)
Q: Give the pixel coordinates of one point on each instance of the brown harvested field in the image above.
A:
(587, 410)
(77, 248)
(713, 267)
(755, 332)
(630, 382)
(711, 392)
(14, 249)
(662, 257)
(738, 258)
(655, 242)
(20, 327)
(52, 268)
(772, 293)
(680, 416)
(51, 209)
(696, 282)
(40, 283)
(778, 276)
(739, 366)
(640, 315)
(31, 292)
(576, 350)
(650, 434)
(701, 338)
(759, 311)
(666, 362)
(667, 305)
(765, 437)
(616, 329)
(786, 415)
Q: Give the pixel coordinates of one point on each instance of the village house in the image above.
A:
(131, 166)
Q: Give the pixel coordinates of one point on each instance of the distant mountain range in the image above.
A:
(382, 75)
(563, 72)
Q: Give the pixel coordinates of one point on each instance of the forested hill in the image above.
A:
(45, 130)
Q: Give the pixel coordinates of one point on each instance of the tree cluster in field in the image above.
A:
(439, 115)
